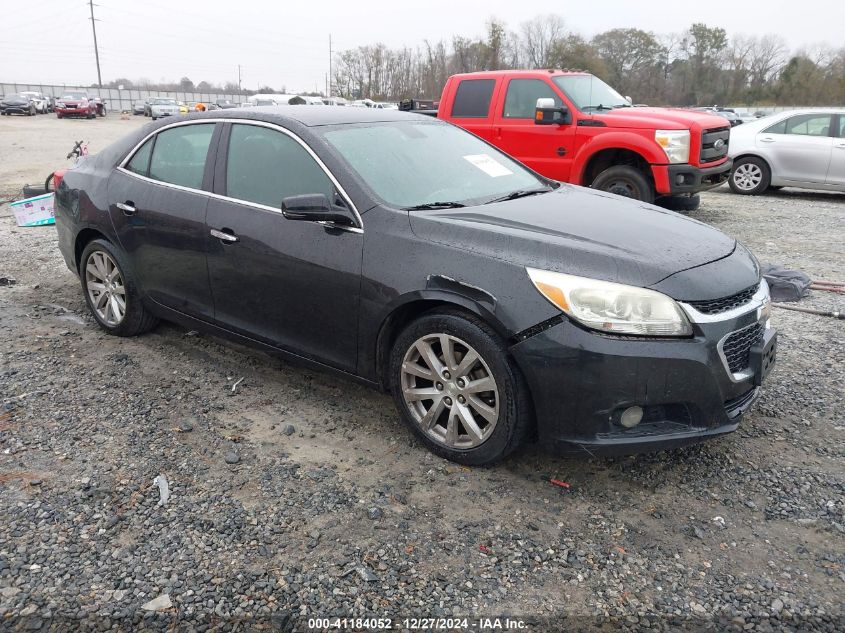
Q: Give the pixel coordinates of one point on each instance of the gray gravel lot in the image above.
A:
(297, 494)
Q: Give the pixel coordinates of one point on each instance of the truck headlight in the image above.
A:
(675, 143)
(610, 307)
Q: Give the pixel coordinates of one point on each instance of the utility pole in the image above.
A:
(239, 77)
(329, 82)
(96, 48)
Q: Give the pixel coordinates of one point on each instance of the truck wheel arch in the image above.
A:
(609, 157)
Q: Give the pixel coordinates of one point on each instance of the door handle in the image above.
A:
(127, 207)
(840, 146)
(767, 139)
(223, 236)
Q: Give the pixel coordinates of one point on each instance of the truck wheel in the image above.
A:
(750, 176)
(680, 203)
(624, 181)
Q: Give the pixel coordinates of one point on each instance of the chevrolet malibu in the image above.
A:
(495, 305)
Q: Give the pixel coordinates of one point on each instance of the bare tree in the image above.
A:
(539, 37)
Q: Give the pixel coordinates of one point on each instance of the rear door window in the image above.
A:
(522, 95)
(180, 153)
(140, 163)
(472, 98)
(265, 166)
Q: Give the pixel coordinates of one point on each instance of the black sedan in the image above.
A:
(17, 104)
(494, 304)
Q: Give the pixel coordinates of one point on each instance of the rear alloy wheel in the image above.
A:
(457, 389)
(111, 292)
(750, 176)
(626, 181)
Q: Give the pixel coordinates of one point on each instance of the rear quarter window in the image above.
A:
(472, 98)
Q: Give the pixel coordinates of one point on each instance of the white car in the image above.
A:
(42, 103)
(163, 106)
(799, 148)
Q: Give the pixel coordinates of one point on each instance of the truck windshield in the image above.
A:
(412, 164)
(590, 93)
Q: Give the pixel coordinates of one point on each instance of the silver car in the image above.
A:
(800, 148)
(162, 106)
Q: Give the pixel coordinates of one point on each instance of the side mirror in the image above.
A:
(314, 207)
(547, 113)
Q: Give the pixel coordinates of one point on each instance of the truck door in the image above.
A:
(470, 107)
(547, 149)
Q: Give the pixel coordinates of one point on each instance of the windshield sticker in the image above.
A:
(488, 165)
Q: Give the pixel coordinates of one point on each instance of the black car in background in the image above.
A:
(17, 104)
(494, 304)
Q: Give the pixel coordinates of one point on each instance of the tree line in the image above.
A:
(701, 66)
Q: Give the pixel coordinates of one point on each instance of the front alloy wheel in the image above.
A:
(458, 389)
(105, 288)
(450, 391)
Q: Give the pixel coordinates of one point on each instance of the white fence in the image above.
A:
(118, 100)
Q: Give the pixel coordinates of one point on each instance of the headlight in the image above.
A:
(610, 307)
(675, 143)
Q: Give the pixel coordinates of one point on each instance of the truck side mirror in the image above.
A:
(547, 113)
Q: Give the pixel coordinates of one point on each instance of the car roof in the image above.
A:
(311, 116)
(548, 72)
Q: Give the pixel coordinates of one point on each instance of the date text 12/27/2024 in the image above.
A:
(418, 624)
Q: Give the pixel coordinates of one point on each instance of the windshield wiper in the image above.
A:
(435, 205)
(519, 193)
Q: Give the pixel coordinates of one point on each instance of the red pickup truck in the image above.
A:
(573, 127)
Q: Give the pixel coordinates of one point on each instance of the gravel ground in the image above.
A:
(294, 494)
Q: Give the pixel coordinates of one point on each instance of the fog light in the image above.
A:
(631, 417)
(679, 179)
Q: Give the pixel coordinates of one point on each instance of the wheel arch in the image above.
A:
(83, 238)
(411, 307)
(739, 157)
(602, 159)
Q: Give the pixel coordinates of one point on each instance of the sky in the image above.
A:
(286, 43)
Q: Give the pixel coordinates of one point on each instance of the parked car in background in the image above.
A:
(725, 113)
(100, 104)
(183, 107)
(76, 103)
(800, 148)
(163, 106)
(139, 107)
(41, 102)
(17, 104)
(335, 101)
(225, 104)
(493, 303)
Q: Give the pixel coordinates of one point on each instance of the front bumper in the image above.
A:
(689, 179)
(73, 111)
(581, 381)
(15, 109)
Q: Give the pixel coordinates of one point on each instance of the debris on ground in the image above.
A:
(163, 489)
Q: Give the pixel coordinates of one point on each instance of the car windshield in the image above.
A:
(74, 95)
(417, 163)
(163, 102)
(590, 93)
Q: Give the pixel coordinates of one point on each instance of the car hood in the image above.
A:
(15, 101)
(660, 119)
(580, 232)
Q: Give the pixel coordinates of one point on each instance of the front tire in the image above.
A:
(458, 390)
(626, 181)
(111, 291)
(750, 176)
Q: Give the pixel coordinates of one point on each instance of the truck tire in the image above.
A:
(680, 203)
(626, 181)
(750, 176)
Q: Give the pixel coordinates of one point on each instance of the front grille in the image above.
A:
(737, 347)
(709, 141)
(717, 306)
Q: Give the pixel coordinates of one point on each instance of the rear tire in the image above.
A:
(463, 421)
(680, 203)
(626, 181)
(750, 176)
(113, 298)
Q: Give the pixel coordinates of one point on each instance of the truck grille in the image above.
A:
(737, 347)
(711, 147)
(717, 306)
